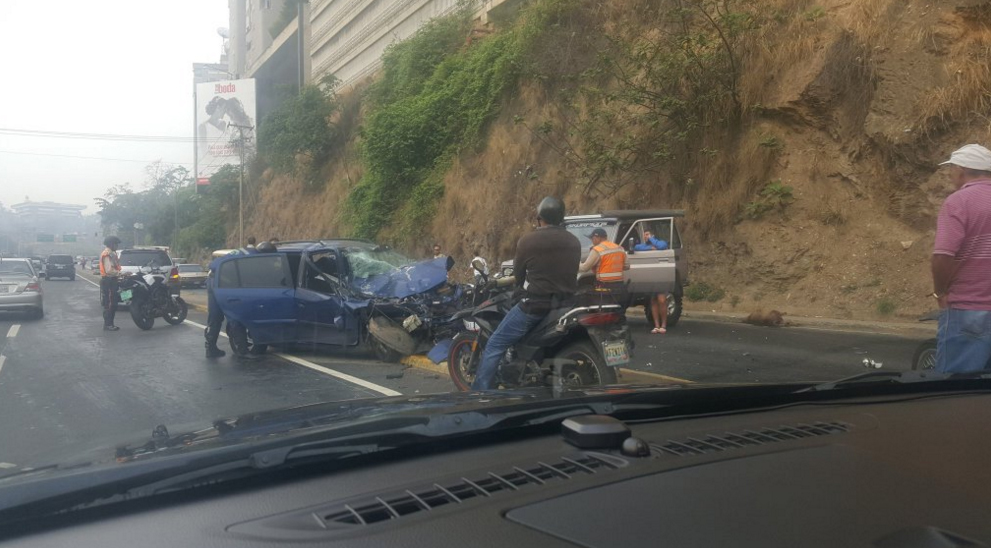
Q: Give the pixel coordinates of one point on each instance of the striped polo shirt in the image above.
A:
(963, 231)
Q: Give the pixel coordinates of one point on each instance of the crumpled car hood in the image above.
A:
(404, 281)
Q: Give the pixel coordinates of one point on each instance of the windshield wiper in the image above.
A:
(175, 472)
(894, 377)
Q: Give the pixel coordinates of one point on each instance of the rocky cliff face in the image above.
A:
(819, 198)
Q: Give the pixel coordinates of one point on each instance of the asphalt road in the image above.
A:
(68, 386)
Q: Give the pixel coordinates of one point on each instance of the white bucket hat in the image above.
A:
(971, 157)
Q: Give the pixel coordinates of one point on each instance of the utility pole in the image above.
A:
(240, 188)
(300, 53)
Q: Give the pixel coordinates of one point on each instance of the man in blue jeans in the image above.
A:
(961, 265)
(548, 259)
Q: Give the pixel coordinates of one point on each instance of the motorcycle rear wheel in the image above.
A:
(141, 314)
(925, 356)
(180, 314)
(462, 360)
(590, 371)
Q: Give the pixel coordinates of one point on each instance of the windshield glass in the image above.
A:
(814, 178)
(366, 262)
(144, 258)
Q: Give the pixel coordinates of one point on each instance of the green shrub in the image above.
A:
(774, 195)
(886, 306)
(300, 126)
(703, 291)
(435, 98)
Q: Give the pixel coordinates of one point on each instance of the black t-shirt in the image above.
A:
(548, 259)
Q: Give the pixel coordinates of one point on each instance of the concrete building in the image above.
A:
(345, 38)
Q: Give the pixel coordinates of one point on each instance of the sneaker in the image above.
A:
(111, 328)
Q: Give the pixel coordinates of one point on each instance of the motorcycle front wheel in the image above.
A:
(590, 368)
(141, 314)
(463, 359)
(178, 313)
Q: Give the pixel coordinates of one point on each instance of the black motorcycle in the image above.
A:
(572, 346)
(147, 296)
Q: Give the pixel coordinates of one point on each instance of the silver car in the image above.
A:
(20, 288)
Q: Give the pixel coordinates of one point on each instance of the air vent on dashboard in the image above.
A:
(713, 443)
(384, 508)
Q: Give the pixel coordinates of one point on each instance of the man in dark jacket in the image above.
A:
(547, 261)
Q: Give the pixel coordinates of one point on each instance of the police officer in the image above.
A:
(609, 261)
(109, 281)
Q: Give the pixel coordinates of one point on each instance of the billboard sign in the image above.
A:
(223, 110)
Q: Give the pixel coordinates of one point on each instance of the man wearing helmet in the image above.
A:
(109, 273)
(548, 260)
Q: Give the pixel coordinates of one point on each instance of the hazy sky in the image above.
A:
(110, 67)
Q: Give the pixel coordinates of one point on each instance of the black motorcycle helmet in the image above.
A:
(111, 241)
(551, 210)
(265, 247)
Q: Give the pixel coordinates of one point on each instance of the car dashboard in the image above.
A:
(907, 473)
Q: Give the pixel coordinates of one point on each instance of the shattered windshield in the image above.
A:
(369, 262)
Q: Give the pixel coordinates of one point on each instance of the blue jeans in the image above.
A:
(963, 341)
(514, 327)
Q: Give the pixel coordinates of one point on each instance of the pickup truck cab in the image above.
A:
(649, 272)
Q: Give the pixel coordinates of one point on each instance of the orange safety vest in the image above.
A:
(612, 262)
(114, 261)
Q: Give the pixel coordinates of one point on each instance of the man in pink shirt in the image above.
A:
(961, 265)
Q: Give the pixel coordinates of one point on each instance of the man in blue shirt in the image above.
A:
(658, 303)
(650, 243)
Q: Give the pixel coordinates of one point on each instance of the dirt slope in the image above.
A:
(852, 104)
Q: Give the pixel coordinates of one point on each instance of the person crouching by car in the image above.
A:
(214, 315)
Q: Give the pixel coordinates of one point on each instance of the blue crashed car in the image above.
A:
(336, 292)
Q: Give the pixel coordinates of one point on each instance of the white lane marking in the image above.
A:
(7, 465)
(325, 370)
(339, 375)
(14, 330)
(89, 281)
(2, 359)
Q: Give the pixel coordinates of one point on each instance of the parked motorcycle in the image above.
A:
(147, 296)
(576, 346)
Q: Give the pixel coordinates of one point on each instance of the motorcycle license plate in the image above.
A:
(125, 295)
(616, 353)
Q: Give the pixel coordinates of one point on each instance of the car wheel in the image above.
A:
(925, 356)
(589, 370)
(385, 354)
(463, 359)
(37, 313)
(240, 341)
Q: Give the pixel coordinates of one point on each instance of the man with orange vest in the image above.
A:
(109, 275)
(609, 261)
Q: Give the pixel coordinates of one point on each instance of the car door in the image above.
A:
(258, 292)
(319, 298)
(652, 271)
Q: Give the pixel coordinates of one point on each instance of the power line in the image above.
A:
(91, 157)
(96, 136)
